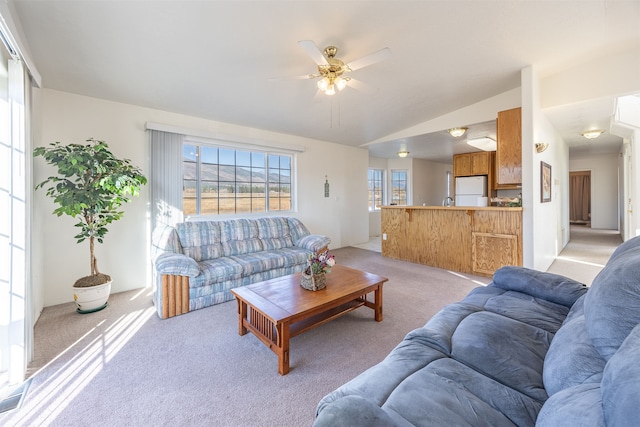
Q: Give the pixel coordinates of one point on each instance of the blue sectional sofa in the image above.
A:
(196, 264)
(531, 348)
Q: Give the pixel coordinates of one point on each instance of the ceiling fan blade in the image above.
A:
(312, 50)
(361, 86)
(302, 77)
(370, 59)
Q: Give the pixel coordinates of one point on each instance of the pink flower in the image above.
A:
(320, 262)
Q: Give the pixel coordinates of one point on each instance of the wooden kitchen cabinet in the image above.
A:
(461, 165)
(480, 163)
(471, 164)
(509, 149)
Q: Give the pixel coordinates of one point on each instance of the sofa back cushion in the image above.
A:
(297, 228)
(239, 236)
(164, 238)
(621, 384)
(611, 305)
(572, 359)
(200, 240)
(274, 233)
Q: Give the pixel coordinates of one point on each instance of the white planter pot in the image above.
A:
(91, 299)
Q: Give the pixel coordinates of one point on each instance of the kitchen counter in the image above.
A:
(467, 239)
(464, 208)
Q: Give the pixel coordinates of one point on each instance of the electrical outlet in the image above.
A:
(384, 236)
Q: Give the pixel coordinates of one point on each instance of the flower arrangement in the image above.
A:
(320, 262)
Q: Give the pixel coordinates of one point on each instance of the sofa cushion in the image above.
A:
(200, 240)
(621, 383)
(528, 309)
(164, 239)
(239, 236)
(274, 233)
(579, 405)
(297, 229)
(571, 359)
(258, 262)
(510, 351)
(548, 286)
(611, 305)
(354, 411)
(216, 270)
(448, 393)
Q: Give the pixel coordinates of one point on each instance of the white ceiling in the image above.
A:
(218, 60)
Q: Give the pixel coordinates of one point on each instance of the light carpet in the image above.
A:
(123, 366)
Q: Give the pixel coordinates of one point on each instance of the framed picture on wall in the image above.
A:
(545, 182)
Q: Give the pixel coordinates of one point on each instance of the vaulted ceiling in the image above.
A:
(221, 60)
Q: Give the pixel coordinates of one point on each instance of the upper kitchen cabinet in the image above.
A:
(471, 164)
(509, 149)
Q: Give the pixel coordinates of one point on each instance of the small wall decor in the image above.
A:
(545, 182)
(326, 186)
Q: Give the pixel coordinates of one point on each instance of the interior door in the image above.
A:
(580, 198)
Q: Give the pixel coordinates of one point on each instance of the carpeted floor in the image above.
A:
(123, 366)
(586, 253)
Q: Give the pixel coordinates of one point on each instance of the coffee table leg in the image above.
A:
(378, 303)
(242, 316)
(283, 348)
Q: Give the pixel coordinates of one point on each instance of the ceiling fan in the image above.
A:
(332, 71)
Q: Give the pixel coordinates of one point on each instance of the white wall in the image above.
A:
(604, 188)
(545, 225)
(430, 182)
(68, 118)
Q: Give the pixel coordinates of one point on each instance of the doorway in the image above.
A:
(580, 198)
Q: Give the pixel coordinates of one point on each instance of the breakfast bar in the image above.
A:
(466, 239)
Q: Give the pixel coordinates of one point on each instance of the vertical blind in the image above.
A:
(166, 178)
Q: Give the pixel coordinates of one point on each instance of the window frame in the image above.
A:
(285, 186)
(395, 200)
(371, 190)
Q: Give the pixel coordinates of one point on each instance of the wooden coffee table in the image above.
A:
(279, 309)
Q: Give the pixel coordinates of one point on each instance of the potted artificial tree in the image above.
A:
(91, 185)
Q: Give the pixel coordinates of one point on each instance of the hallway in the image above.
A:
(586, 253)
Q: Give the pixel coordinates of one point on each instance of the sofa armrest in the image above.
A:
(549, 286)
(313, 242)
(176, 264)
(353, 411)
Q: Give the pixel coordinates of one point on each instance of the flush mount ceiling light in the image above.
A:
(485, 143)
(592, 134)
(457, 132)
(403, 151)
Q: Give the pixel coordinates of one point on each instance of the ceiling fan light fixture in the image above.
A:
(457, 132)
(330, 90)
(592, 134)
(323, 84)
(340, 83)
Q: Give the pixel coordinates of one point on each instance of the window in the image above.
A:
(376, 189)
(219, 180)
(399, 187)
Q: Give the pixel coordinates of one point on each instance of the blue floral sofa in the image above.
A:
(532, 348)
(196, 264)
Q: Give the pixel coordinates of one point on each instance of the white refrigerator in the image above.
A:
(471, 191)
